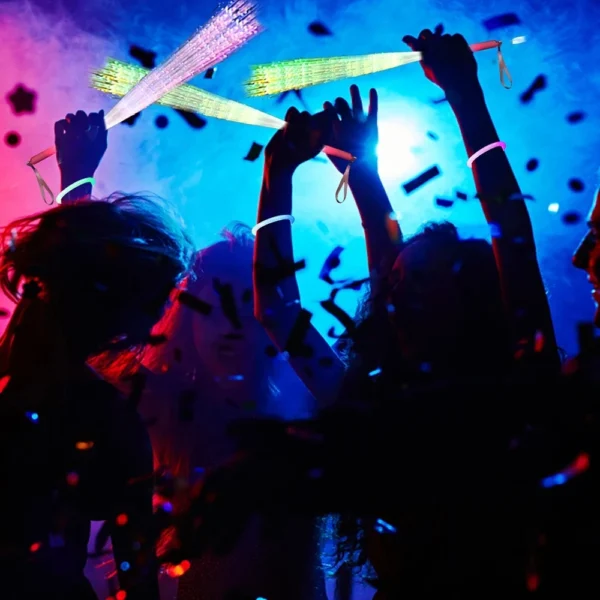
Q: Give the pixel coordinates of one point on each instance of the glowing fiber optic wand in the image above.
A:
(225, 32)
(275, 78)
(117, 78)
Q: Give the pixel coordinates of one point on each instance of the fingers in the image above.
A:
(342, 108)
(373, 105)
(304, 120)
(357, 105)
(97, 120)
(81, 121)
(439, 29)
(412, 43)
(425, 34)
(60, 128)
(70, 118)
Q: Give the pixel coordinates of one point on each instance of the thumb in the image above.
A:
(411, 42)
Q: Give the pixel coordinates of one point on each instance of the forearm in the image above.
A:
(382, 234)
(273, 249)
(496, 183)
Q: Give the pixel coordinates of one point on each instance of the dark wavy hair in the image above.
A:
(483, 349)
(104, 267)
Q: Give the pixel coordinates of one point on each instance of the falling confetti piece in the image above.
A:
(571, 218)
(539, 83)
(132, 119)
(122, 520)
(4, 313)
(175, 571)
(72, 479)
(319, 29)
(146, 58)
(501, 21)
(295, 345)
(161, 122)
(210, 73)
(576, 117)
(421, 180)
(22, 100)
(12, 139)
(439, 100)
(433, 136)
(228, 304)
(444, 202)
(532, 164)
(84, 445)
(35, 547)
(192, 119)
(254, 152)
(576, 185)
(194, 303)
(331, 262)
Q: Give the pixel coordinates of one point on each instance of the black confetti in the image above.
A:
(319, 29)
(247, 296)
(227, 300)
(194, 303)
(157, 340)
(186, 406)
(341, 315)
(132, 119)
(273, 275)
(12, 139)
(331, 263)
(322, 227)
(271, 351)
(576, 185)
(22, 100)
(333, 335)
(571, 218)
(146, 58)
(444, 202)
(210, 73)
(461, 195)
(576, 117)
(3, 313)
(539, 83)
(419, 181)
(295, 345)
(161, 122)
(433, 136)
(254, 152)
(138, 384)
(194, 120)
(440, 100)
(297, 93)
(501, 21)
(532, 164)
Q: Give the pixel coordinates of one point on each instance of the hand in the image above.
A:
(81, 141)
(352, 130)
(300, 140)
(447, 59)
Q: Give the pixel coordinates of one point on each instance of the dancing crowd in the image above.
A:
(443, 446)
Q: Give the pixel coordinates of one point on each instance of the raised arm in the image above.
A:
(449, 63)
(357, 133)
(276, 294)
(81, 142)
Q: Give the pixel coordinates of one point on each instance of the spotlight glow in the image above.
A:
(396, 158)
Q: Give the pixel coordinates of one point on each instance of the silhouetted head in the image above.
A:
(587, 254)
(226, 342)
(103, 270)
(445, 302)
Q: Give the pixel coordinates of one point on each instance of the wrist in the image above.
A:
(68, 177)
(466, 97)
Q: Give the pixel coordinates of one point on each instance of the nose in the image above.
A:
(581, 256)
